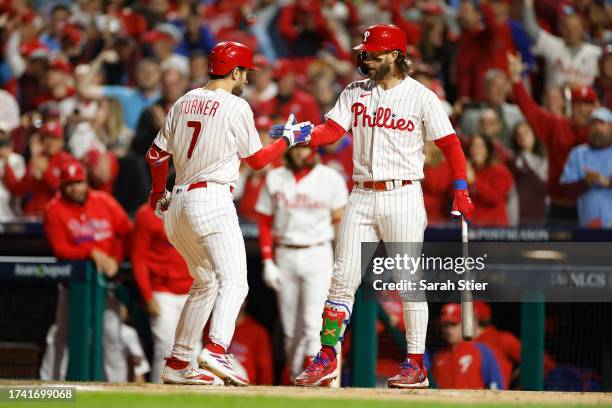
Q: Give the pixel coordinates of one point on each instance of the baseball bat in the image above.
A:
(467, 305)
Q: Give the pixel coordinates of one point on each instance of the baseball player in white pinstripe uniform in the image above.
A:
(390, 115)
(207, 132)
(299, 207)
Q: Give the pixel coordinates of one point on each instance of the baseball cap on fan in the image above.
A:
(72, 172)
(602, 114)
(53, 129)
(451, 313)
(584, 94)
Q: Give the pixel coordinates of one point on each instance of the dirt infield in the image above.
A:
(446, 396)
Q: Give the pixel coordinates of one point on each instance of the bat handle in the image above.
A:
(467, 305)
(467, 315)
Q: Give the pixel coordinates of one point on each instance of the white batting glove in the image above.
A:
(271, 275)
(295, 133)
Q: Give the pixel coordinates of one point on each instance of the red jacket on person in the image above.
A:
(157, 265)
(482, 50)
(74, 230)
(489, 193)
(42, 190)
(559, 136)
(467, 365)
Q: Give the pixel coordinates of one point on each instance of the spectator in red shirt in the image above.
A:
(463, 364)
(42, 178)
(252, 348)
(489, 183)
(163, 279)
(84, 224)
(290, 99)
(437, 186)
(482, 46)
(58, 82)
(304, 28)
(559, 134)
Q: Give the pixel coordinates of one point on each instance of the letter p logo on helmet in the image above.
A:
(365, 36)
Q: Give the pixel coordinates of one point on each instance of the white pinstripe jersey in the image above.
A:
(302, 209)
(207, 132)
(389, 127)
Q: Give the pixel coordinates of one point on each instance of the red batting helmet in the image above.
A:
(228, 55)
(383, 37)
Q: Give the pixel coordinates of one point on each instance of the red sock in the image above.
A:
(215, 348)
(176, 364)
(329, 351)
(418, 358)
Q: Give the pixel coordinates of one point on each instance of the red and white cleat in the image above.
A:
(319, 373)
(222, 365)
(181, 372)
(411, 375)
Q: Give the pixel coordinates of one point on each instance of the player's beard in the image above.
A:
(380, 73)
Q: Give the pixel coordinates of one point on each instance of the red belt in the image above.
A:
(381, 185)
(203, 184)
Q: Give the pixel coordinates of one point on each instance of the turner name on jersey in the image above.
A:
(203, 131)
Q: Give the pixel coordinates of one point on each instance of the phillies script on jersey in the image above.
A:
(382, 118)
(299, 201)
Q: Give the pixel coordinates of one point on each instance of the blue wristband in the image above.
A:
(461, 184)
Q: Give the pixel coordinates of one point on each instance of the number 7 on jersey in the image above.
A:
(197, 127)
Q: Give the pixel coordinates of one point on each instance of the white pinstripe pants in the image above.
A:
(392, 216)
(203, 226)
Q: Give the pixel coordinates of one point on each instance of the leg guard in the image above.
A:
(335, 319)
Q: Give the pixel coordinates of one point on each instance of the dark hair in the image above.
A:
(213, 77)
(488, 145)
(538, 147)
(291, 165)
(404, 65)
(60, 7)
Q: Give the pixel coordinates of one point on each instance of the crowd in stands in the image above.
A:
(527, 85)
(92, 81)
